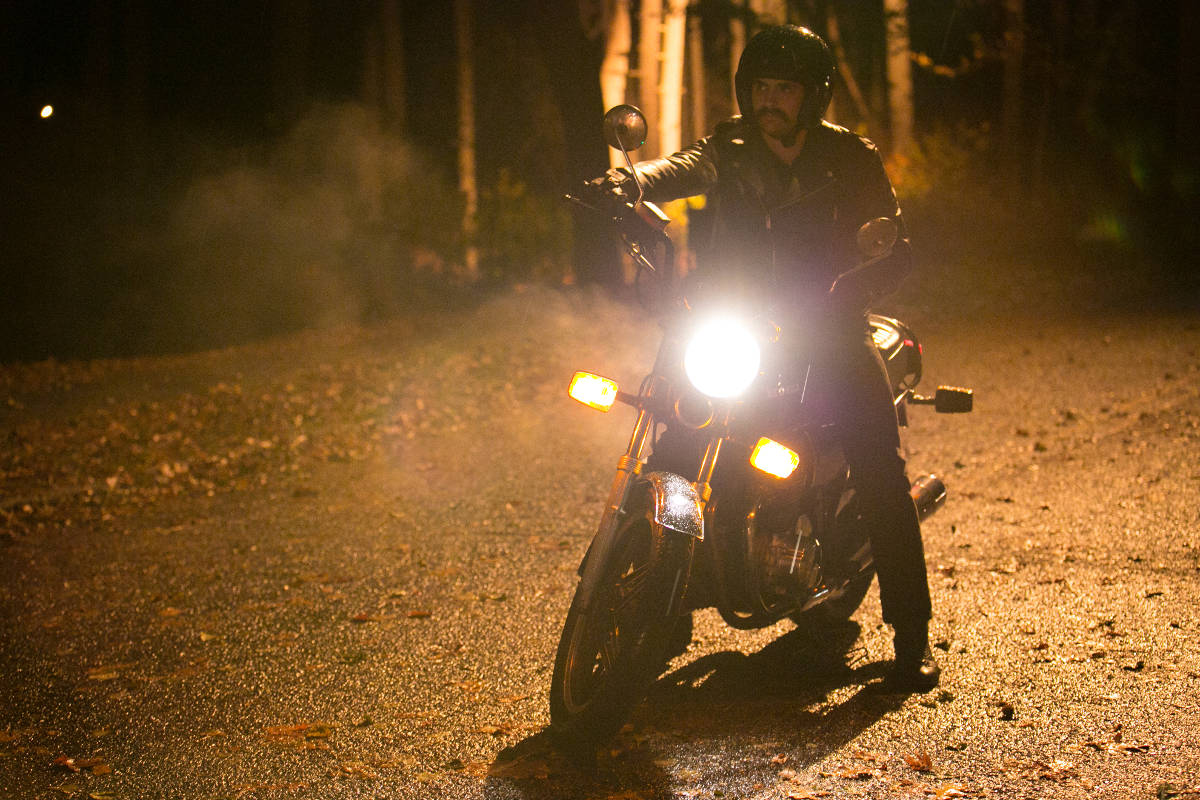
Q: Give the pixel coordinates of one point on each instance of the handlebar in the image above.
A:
(639, 223)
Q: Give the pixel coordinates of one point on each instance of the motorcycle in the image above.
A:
(775, 532)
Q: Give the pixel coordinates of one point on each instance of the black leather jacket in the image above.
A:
(788, 231)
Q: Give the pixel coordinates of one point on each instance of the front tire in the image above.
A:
(608, 657)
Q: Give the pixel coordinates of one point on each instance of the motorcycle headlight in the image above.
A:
(722, 358)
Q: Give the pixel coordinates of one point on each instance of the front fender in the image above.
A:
(677, 505)
(677, 508)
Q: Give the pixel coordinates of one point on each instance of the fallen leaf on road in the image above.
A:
(105, 673)
(495, 730)
(920, 763)
(512, 698)
(244, 789)
(304, 730)
(1056, 770)
(66, 763)
(520, 769)
(782, 758)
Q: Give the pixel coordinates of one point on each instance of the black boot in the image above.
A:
(915, 669)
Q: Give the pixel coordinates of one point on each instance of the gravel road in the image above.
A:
(335, 565)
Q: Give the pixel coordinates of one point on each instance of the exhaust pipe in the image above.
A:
(929, 493)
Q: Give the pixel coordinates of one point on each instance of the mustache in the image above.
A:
(773, 112)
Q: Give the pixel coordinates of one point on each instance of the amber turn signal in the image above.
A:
(593, 390)
(774, 459)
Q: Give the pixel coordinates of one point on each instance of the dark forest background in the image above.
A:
(216, 171)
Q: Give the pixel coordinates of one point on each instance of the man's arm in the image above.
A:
(691, 171)
(874, 198)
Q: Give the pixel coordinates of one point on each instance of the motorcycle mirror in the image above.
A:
(876, 238)
(625, 128)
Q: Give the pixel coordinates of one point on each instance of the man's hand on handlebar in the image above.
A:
(613, 193)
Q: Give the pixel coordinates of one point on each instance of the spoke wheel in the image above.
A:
(608, 656)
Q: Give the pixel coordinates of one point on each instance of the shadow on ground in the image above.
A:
(734, 702)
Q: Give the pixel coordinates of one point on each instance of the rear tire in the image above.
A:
(608, 657)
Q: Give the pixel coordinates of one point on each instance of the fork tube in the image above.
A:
(628, 467)
(709, 463)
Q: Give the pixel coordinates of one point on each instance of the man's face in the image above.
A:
(777, 106)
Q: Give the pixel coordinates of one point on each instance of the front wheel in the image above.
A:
(608, 656)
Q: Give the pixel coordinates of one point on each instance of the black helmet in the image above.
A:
(789, 53)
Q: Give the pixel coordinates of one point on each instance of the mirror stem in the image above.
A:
(637, 181)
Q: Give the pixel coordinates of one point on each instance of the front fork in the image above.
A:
(679, 505)
(629, 466)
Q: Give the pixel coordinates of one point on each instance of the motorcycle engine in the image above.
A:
(785, 555)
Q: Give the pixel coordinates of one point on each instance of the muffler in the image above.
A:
(929, 493)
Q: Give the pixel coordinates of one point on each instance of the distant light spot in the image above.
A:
(47, 111)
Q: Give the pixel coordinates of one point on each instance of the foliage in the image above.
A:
(524, 236)
(944, 160)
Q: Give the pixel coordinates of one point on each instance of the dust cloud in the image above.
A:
(195, 245)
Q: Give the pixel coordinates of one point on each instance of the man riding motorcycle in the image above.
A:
(788, 191)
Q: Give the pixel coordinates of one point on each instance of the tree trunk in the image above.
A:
(670, 128)
(737, 43)
(1014, 59)
(291, 34)
(649, 53)
(614, 71)
(1187, 125)
(862, 108)
(769, 12)
(696, 84)
(393, 81)
(98, 90)
(384, 80)
(899, 75)
(467, 184)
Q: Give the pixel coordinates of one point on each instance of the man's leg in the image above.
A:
(871, 440)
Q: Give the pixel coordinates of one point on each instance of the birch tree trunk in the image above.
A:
(899, 75)
(737, 43)
(670, 127)
(696, 84)
(466, 135)
(614, 70)
(769, 12)
(649, 52)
